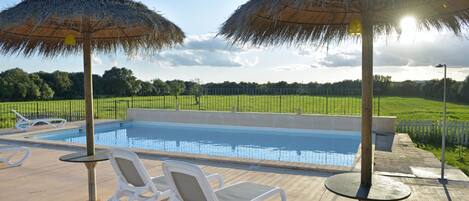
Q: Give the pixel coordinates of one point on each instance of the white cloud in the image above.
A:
(208, 42)
(294, 67)
(464, 71)
(197, 58)
(444, 49)
(204, 50)
(213, 59)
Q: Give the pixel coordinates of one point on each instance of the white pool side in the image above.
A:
(275, 120)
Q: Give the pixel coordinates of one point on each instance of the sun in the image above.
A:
(408, 24)
(411, 35)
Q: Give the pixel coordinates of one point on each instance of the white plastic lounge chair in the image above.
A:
(189, 184)
(134, 181)
(12, 151)
(24, 123)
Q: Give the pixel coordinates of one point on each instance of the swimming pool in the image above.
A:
(335, 148)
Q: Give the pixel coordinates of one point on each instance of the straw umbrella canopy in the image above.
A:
(277, 22)
(43, 26)
(64, 27)
(324, 22)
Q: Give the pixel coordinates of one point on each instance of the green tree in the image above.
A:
(17, 84)
(46, 92)
(176, 87)
(464, 91)
(40, 89)
(161, 87)
(59, 81)
(14, 84)
(406, 88)
(77, 87)
(146, 89)
(381, 83)
(120, 82)
(196, 90)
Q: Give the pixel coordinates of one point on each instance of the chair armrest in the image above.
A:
(216, 177)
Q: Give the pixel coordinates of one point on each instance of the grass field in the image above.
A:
(109, 108)
(418, 108)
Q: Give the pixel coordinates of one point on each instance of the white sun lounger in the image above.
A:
(24, 123)
(12, 151)
(189, 184)
(136, 184)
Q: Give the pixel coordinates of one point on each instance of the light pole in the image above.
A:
(445, 130)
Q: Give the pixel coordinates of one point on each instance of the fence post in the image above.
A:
(466, 134)
(237, 104)
(97, 109)
(132, 101)
(70, 110)
(379, 105)
(115, 109)
(280, 102)
(37, 110)
(327, 101)
(200, 97)
(126, 109)
(164, 101)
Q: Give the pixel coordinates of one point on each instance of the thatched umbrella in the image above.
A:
(322, 22)
(63, 27)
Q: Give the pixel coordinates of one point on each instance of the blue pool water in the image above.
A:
(336, 148)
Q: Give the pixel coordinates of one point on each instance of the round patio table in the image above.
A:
(90, 163)
(383, 188)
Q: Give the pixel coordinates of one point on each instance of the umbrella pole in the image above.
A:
(90, 150)
(88, 94)
(367, 99)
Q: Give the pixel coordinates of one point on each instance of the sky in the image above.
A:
(212, 59)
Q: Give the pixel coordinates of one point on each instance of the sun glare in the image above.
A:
(408, 24)
(410, 33)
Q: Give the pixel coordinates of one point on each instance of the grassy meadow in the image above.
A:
(418, 108)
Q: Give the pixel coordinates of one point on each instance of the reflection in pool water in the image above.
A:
(336, 148)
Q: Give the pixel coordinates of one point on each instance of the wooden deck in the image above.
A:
(44, 178)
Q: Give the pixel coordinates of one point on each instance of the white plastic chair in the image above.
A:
(13, 151)
(24, 123)
(189, 184)
(134, 181)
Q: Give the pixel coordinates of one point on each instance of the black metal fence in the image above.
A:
(329, 102)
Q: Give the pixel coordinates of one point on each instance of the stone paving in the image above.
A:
(401, 159)
(404, 158)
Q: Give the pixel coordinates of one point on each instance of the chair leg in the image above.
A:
(26, 155)
(283, 195)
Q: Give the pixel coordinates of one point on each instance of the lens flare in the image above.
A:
(408, 24)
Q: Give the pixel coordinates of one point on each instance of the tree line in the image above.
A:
(18, 85)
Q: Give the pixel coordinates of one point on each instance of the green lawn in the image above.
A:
(418, 108)
(403, 108)
(455, 156)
